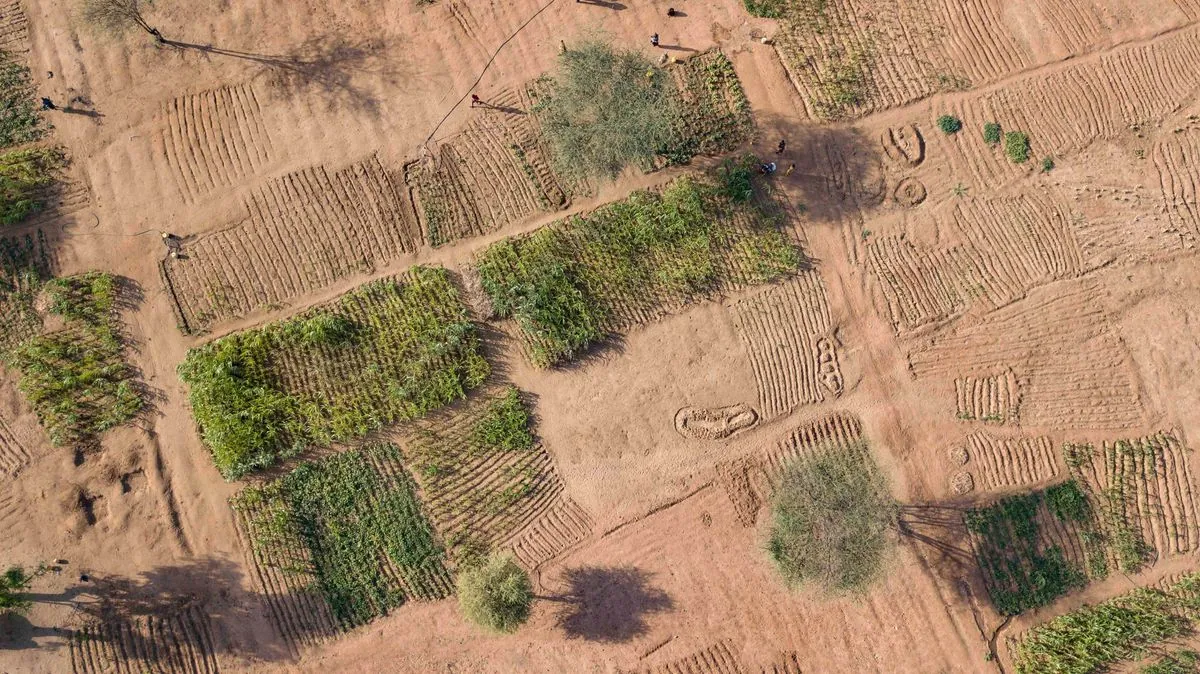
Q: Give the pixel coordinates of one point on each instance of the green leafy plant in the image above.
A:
(1047, 164)
(496, 595)
(832, 514)
(19, 119)
(1016, 147)
(992, 133)
(949, 124)
(1179, 662)
(505, 424)
(404, 348)
(1068, 502)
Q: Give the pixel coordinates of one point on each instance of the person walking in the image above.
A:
(782, 147)
(48, 104)
(654, 40)
(475, 100)
(671, 11)
(790, 169)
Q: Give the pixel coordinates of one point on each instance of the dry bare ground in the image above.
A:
(968, 320)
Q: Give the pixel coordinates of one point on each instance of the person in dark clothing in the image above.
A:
(48, 104)
(654, 40)
(475, 100)
(671, 11)
(782, 147)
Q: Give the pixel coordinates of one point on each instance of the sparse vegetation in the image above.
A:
(1047, 164)
(992, 133)
(736, 179)
(496, 594)
(1016, 147)
(832, 515)
(19, 119)
(24, 267)
(76, 378)
(505, 424)
(1093, 638)
(565, 284)
(1179, 662)
(843, 84)
(369, 547)
(387, 351)
(1068, 502)
(24, 177)
(949, 124)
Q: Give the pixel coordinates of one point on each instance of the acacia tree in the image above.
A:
(117, 16)
(495, 594)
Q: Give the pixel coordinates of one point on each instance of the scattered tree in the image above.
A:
(605, 110)
(1016, 146)
(992, 133)
(833, 515)
(117, 16)
(496, 594)
(949, 124)
(13, 584)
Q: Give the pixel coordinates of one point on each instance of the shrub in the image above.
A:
(604, 110)
(736, 180)
(1016, 146)
(992, 133)
(1068, 502)
(832, 514)
(13, 584)
(495, 595)
(949, 124)
(1047, 164)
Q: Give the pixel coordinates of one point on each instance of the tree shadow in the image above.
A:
(607, 4)
(609, 604)
(939, 527)
(325, 64)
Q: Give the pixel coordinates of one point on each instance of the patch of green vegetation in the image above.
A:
(1016, 147)
(992, 133)
(735, 179)
(13, 584)
(832, 516)
(1068, 502)
(949, 124)
(495, 595)
(24, 267)
(388, 351)
(566, 284)
(1047, 164)
(505, 423)
(24, 177)
(357, 516)
(76, 378)
(1179, 662)
(1020, 571)
(1094, 638)
(19, 119)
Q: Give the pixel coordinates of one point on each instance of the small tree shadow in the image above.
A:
(610, 604)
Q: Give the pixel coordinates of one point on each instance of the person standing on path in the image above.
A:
(475, 100)
(654, 40)
(782, 147)
(48, 104)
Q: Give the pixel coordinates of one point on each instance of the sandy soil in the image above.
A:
(1080, 325)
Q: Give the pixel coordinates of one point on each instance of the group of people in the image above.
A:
(767, 168)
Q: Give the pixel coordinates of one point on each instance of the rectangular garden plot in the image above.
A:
(572, 283)
(391, 350)
(489, 484)
(338, 542)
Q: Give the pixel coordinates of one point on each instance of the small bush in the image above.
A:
(13, 584)
(1068, 502)
(495, 595)
(1047, 164)
(949, 124)
(832, 514)
(1016, 146)
(736, 180)
(992, 134)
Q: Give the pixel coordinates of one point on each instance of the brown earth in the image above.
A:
(958, 305)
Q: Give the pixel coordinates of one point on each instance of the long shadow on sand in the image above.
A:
(610, 604)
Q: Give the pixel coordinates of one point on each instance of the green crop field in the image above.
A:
(391, 350)
(76, 378)
(570, 284)
(351, 524)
